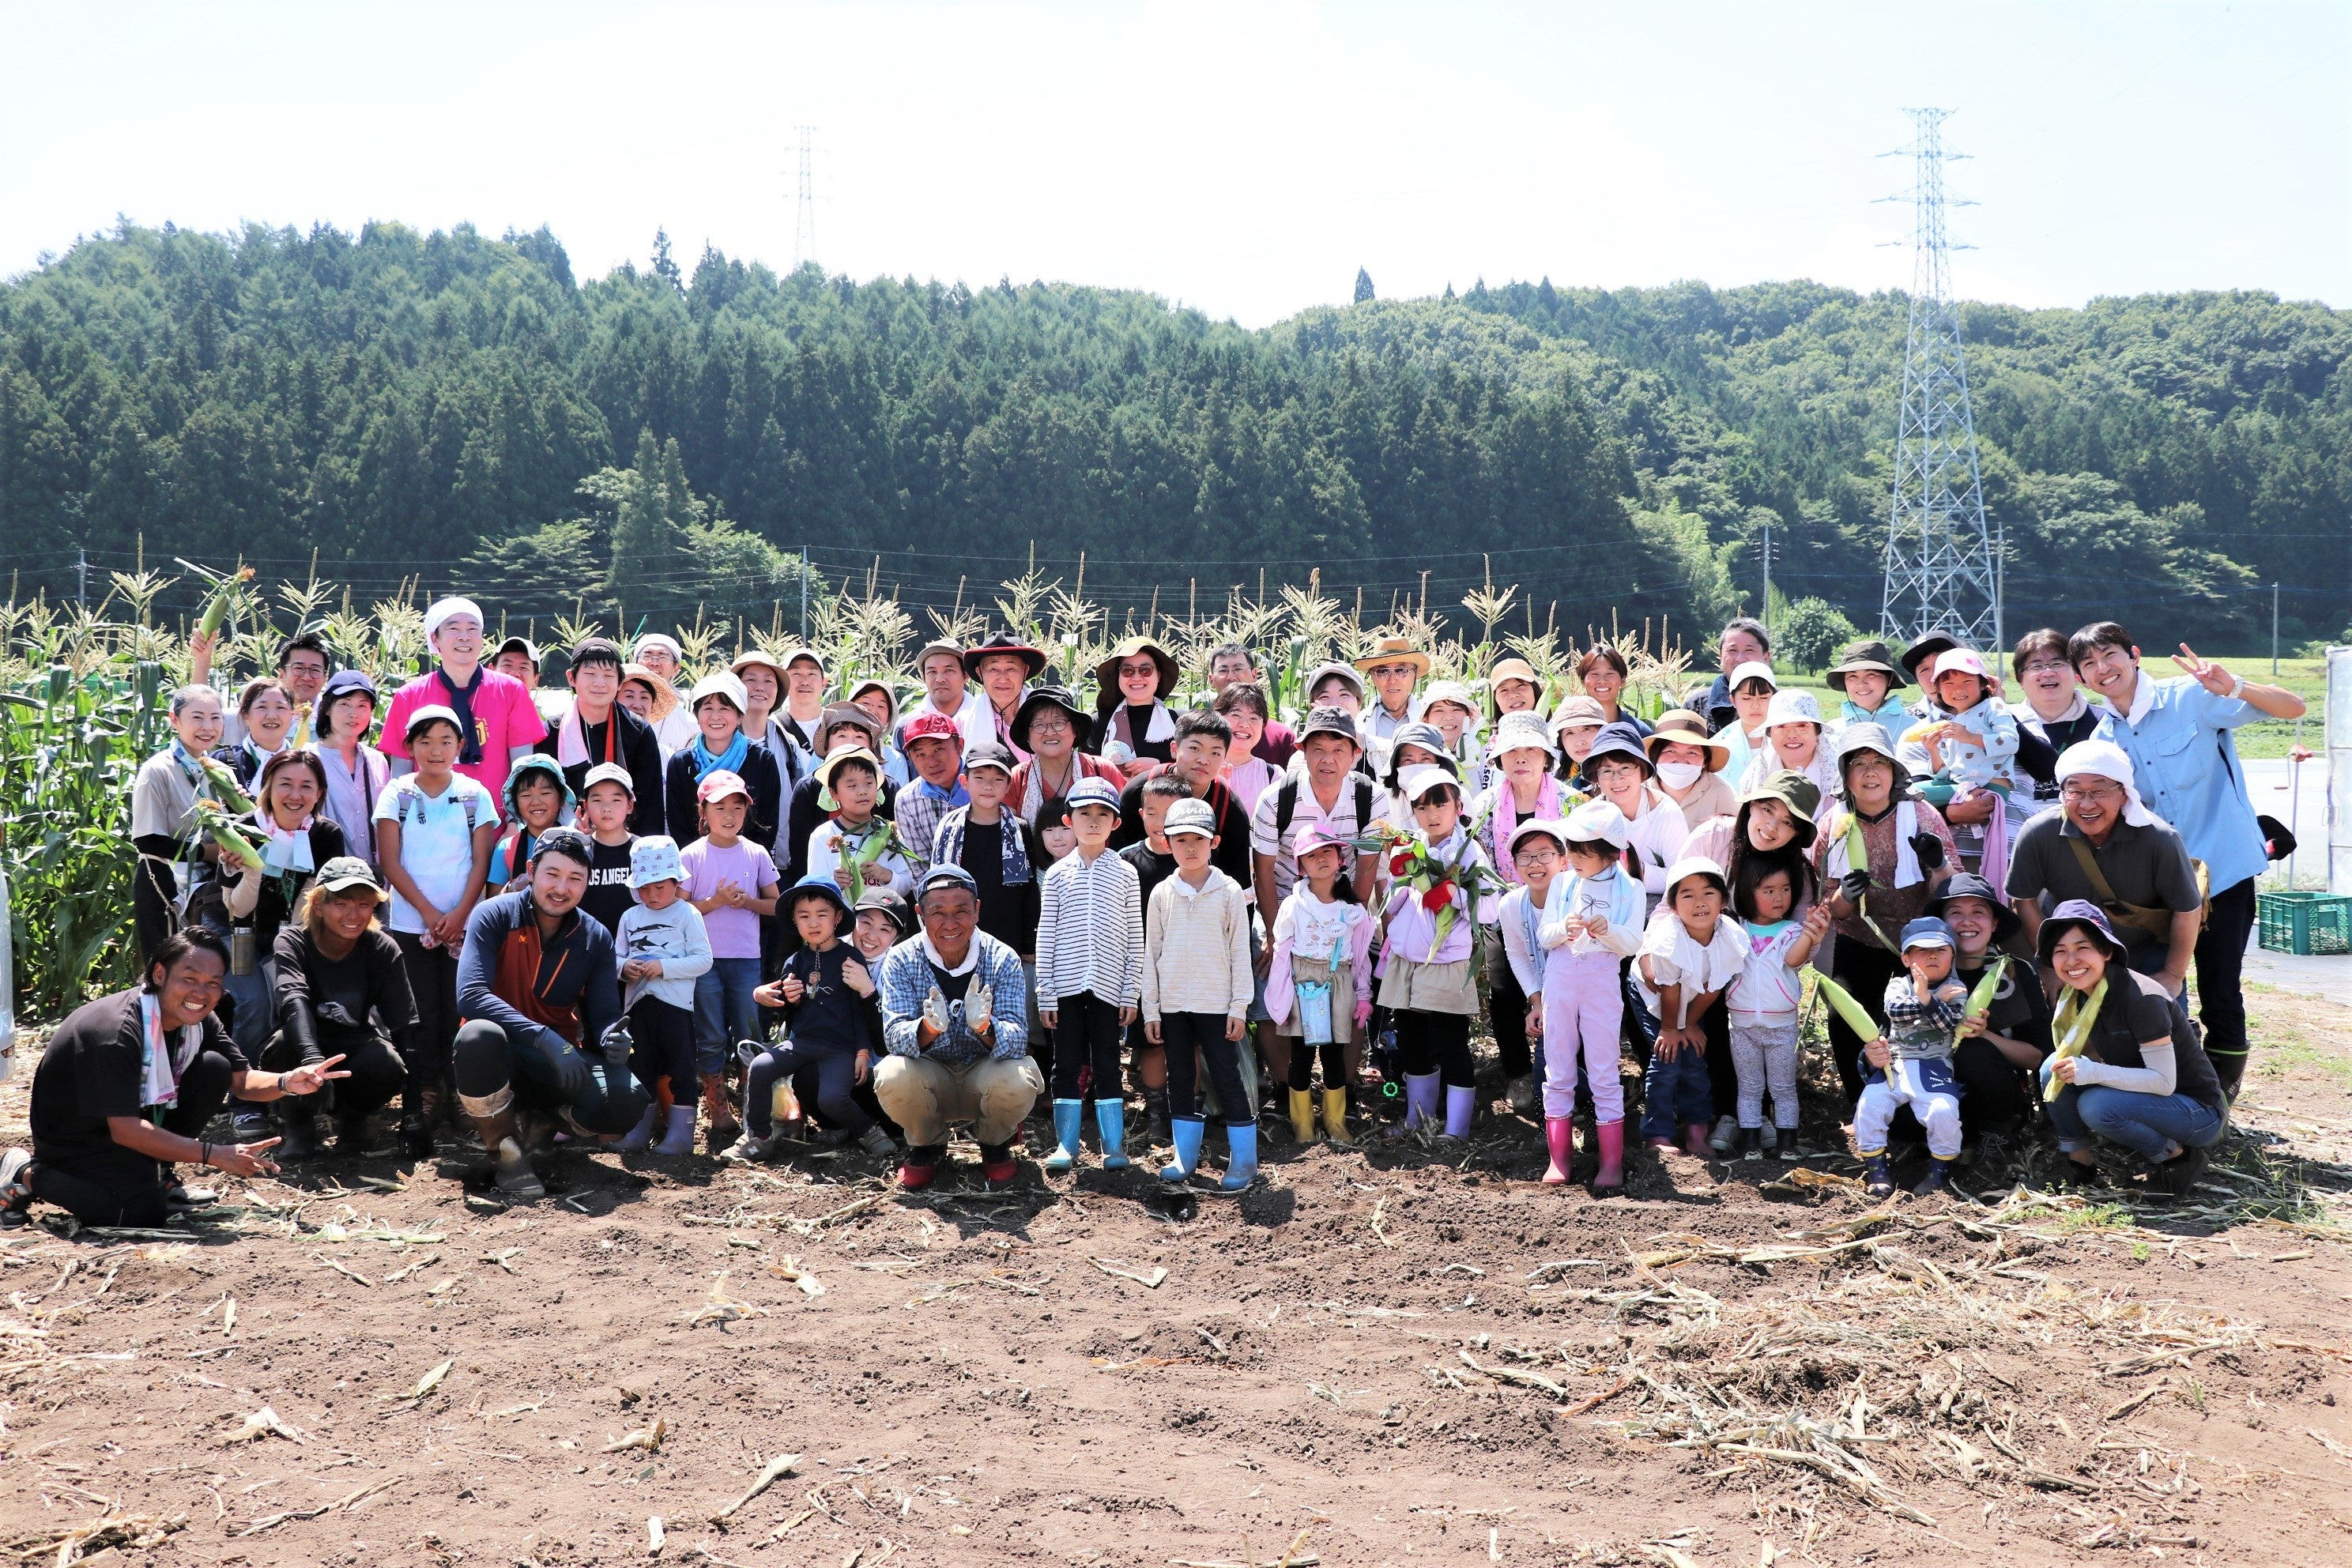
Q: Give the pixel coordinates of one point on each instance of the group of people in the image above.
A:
(784, 906)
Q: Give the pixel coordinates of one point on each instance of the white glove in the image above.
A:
(980, 1009)
(935, 1011)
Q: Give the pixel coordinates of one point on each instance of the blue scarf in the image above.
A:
(731, 759)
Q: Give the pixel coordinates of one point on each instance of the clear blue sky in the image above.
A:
(1242, 159)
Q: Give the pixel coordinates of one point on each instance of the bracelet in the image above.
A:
(204, 1152)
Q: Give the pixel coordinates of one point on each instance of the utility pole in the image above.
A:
(804, 592)
(804, 220)
(2001, 588)
(2274, 593)
(1940, 570)
(81, 588)
(1766, 617)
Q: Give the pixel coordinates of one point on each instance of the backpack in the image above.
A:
(411, 793)
(1285, 803)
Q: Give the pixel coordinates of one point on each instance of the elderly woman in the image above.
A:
(1047, 729)
(163, 816)
(342, 989)
(2127, 1064)
(126, 1089)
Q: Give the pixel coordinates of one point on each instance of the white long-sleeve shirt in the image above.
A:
(1090, 931)
(1614, 896)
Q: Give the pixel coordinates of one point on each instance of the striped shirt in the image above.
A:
(1090, 931)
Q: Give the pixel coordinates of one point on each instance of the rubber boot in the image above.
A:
(679, 1138)
(1608, 1137)
(718, 1113)
(1240, 1169)
(1184, 1132)
(1938, 1178)
(637, 1137)
(1420, 1101)
(1110, 1122)
(351, 1134)
(1302, 1116)
(1877, 1179)
(510, 1167)
(1695, 1141)
(1460, 1102)
(298, 1133)
(1334, 1115)
(1068, 1113)
(1557, 1141)
(1155, 1116)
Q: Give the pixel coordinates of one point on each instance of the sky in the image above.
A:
(1244, 160)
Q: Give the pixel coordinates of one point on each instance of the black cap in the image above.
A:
(987, 754)
(1331, 721)
(1968, 885)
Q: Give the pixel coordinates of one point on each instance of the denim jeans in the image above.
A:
(1676, 1093)
(724, 1012)
(2145, 1123)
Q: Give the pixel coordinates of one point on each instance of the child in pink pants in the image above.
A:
(1591, 920)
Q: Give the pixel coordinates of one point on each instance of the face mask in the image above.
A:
(1679, 775)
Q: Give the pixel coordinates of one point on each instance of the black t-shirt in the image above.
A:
(608, 896)
(830, 1018)
(2018, 1010)
(369, 978)
(1151, 868)
(1231, 856)
(92, 1070)
(2144, 1013)
(635, 749)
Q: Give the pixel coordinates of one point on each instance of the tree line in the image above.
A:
(667, 440)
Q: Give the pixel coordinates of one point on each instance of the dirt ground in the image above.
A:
(1378, 1355)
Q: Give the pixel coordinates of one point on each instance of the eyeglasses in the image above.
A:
(2036, 666)
(1051, 723)
(1130, 671)
(2087, 793)
(1536, 857)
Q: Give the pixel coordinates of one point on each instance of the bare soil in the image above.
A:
(1381, 1354)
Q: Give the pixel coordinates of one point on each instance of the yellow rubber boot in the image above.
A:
(1302, 1116)
(1335, 1114)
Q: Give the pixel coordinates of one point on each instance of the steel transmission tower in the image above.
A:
(1940, 565)
(805, 223)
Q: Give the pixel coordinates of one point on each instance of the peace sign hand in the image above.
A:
(2205, 672)
(310, 1077)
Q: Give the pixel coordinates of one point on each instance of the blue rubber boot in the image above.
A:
(1110, 1122)
(1240, 1169)
(1067, 1115)
(1184, 1131)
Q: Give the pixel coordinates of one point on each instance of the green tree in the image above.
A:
(1808, 634)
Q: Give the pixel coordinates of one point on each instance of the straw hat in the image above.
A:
(1396, 650)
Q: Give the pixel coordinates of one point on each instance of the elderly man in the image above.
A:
(2103, 845)
(498, 723)
(2177, 734)
(540, 990)
(940, 664)
(1744, 641)
(955, 1016)
(1394, 667)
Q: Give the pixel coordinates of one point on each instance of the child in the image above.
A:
(834, 1024)
(434, 829)
(1322, 938)
(1764, 1001)
(1522, 790)
(537, 800)
(857, 849)
(1443, 891)
(1054, 828)
(1198, 982)
(1752, 685)
(1974, 749)
(733, 882)
(1154, 863)
(1591, 922)
(1923, 1006)
(664, 950)
(1689, 955)
(1090, 974)
(607, 800)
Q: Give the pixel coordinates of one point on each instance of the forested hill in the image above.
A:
(401, 402)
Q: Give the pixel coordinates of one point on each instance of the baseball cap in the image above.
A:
(888, 903)
(568, 841)
(932, 725)
(988, 754)
(1091, 791)
(523, 646)
(609, 773)
(1331, 721)
(1598, 821)
(345, 872)
(1754, 669)
(1927, 930)
(947, 873)
(1959, 660)
(1417, 782)
(720, 783)
(1190, 816)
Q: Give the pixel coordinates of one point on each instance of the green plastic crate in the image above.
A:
(2305, 924)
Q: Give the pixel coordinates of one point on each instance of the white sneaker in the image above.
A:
(1726, 1133)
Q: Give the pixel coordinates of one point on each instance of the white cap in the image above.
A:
(442, 610)
(1691, 865)
(1416, 782)
(720, 683)
(1598, 821)
(1754, 669)
(1792, 707)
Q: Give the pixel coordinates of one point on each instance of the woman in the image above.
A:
(1773, 829)
(1602, 672)
(2128, 1064)
(718, 703)
(1242, 707)
(356, 771)
(1906, 856)
(163, 817)
(1048, 727)
(342, 989)
(1691, 767)
(1793, 742)
(246, 904)
(764, 718)
(1575, 725)
(126, 1088)
(881, 703)
(1513, 687)
(1132, 722)
(2052, 716)
(266, 708)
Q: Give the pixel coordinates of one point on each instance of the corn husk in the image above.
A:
(223, 831)
(1986, 988)
(1857, 1017)
(225, 787)
(224, 595)
(2072, 1031)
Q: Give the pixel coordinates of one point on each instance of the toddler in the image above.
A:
(1591, 922)
(1689, 955)
(1925, 1005)
(1322, 938)
(1764, 1001)
(662, 949)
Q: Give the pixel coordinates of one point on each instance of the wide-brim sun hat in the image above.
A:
(832, 765)
(1040, 699)
(1522, 731)
(1395, 650)
(1032, 659)
(1792, 707)
(1868, 654)
(1107, 694)
(1681, 727)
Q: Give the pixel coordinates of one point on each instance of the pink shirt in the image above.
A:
(505, 717)
(734, 933)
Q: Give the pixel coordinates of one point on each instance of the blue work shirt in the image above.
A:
(2186, 766)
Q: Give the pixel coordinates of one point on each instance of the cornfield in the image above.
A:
(83, 695)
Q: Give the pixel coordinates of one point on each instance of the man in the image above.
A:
(1232, 664)
(935, 751)
(497, 720)
(1394, 667)
(1198, 757)
(537, 982)
(804, 683)
(302, 666)
(599, 730)
(1004, 669)
(1744, 641)
(2177, 734)
(1997, 1065)
(2103, 845)
(955, 1016)
(940, 664)
(518, 656)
